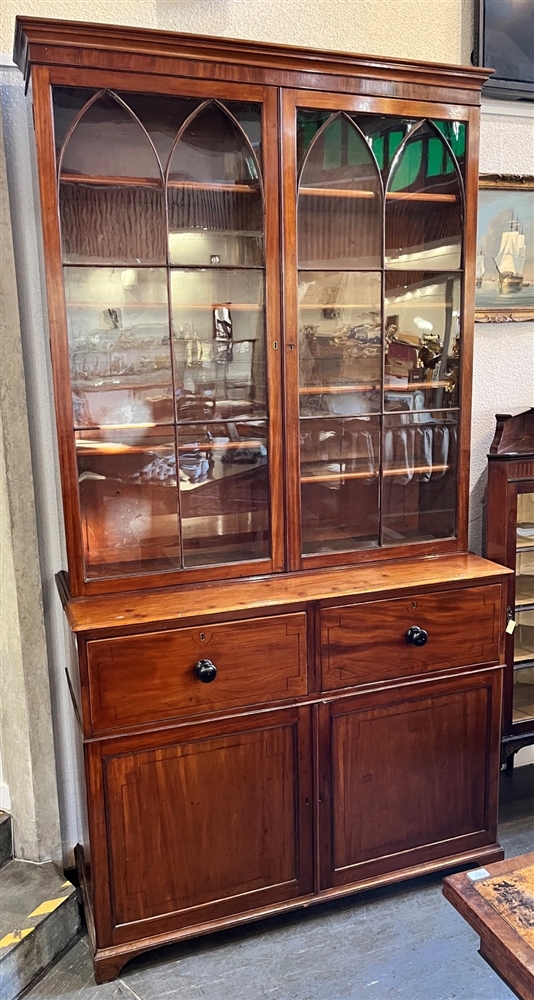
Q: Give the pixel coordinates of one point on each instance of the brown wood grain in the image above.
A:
(502, 945)
(367, 642)
(385, 750)
(226, 828)
(149, 678)
(75, 43)
(123, 610)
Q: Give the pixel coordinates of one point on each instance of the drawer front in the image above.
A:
(366, 643)
(141, 679)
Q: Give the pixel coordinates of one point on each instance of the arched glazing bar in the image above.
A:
(111, 187)
(214, 192)
(424, 203)
(340, 212)
(339, 199)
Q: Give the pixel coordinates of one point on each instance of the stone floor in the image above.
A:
(401, 943)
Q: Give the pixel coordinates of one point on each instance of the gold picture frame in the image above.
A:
(504, 290)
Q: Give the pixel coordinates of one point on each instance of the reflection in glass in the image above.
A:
(340, 342)
(384, 135)
(128, 499)
(67, 102)
(340, 461)
(419, 476)
(339, 206)
(215, 198)
(162, 115)
(424, 205)
(456, 136)
(218, 329)
(118, 328)
(422, 340)
(523, 691)
(111, 194)
(224, 492)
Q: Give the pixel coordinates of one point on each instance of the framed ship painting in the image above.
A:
(505, 250)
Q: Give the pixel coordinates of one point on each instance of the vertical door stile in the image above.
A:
(290, 327)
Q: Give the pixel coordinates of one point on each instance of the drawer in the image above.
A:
(365, 643)
(140, 679)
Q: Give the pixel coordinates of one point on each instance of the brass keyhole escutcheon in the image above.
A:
(414, 604)
(202, 636)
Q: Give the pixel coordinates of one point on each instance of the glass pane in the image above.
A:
(308, 125)
(384, 135)
(224, 492)
(249, 118)
(456, 135)
(68, 102)
(419, 477)
(424, 206)
(523, 696)
(214, 195)
(118, 328)
(340, 342)
(218, 327)
(339, 207)
(162, 115)
(524, 638)
(340, 462)
(111, 191)
(422, 340)
(524, 583)
(128, 499)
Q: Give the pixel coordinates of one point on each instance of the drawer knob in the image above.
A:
(206, 671)
(416, 636)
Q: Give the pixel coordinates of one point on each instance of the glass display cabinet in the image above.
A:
(510, 540)
(260, 275)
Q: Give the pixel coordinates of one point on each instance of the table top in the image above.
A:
(498, 903)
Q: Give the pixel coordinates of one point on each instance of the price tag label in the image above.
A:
(511, 626)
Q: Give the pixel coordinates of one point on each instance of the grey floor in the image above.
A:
(401, 943)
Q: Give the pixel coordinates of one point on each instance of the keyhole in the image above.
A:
(414, 604)
(202, 636)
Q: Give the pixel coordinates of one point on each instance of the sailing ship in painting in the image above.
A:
(480, 267)
(510, 260)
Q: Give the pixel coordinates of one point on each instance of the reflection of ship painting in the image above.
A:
(480, 268)
(510, 260)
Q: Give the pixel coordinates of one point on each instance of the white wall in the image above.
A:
(437, 30)
(503, 364)
(418, 29)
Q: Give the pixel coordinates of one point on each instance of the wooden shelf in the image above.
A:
(370, 195)
(326, 390)
(421, 196)
(155, 182)
(366, 474)
(524, 593)
(416, 385)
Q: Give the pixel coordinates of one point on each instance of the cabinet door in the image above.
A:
(408, 776)
(373, 302)
(168, 217)
(201, 823)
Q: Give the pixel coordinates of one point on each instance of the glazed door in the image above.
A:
(374, 210)
(168, 235)
(519, 694)
(203, 822)
(405, 776)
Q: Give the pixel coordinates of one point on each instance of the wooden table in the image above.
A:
(498, 903)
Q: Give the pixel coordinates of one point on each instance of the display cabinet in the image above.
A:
(510, 540)
(260, 273)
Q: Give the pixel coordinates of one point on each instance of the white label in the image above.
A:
(478, 873)
(511, 626)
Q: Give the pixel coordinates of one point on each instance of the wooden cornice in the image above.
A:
(39, 41)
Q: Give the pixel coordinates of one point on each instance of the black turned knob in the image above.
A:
(206, 671)
(416, 636)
